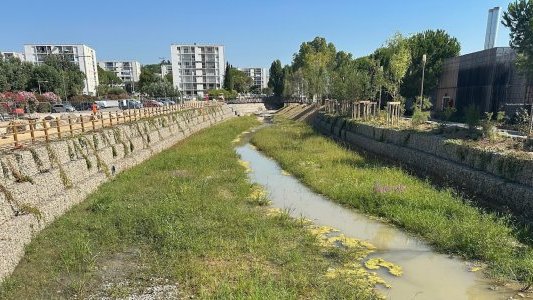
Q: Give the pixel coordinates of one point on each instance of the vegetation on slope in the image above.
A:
(180, 224)
(439, 216)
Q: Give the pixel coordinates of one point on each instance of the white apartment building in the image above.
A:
(258, 75)
(82, 55)
(127, 71)
(165, 70)
(197, 68)
(9, 54)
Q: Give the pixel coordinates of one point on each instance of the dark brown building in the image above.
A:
(487, 79)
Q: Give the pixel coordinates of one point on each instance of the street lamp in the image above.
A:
(39, 84)
(424, 58)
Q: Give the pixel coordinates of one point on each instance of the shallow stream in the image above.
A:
(427, 274)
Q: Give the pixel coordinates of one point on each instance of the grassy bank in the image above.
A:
(440, 217)
(179, 225)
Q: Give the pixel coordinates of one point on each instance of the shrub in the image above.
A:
(472, 118)
(488, 125)
(521, 120)
(43, 107)
(419, 117)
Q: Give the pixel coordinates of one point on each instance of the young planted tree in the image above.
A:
(399, 63)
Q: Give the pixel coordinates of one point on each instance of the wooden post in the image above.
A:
(32, 130)
(110, 119)
(58, 127)
(70, 125)
(45, 128)
(118, 117)
(15, 133)
(102, 119)
(82, 123)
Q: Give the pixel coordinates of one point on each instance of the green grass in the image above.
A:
(182, 217)
(445, 220)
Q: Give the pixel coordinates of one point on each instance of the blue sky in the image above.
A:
(254, 32)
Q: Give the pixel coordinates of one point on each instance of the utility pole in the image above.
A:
(422, 83)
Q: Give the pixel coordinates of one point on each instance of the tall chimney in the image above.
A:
(493, 23)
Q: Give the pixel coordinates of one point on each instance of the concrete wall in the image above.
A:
(244, 109)
(500, 180)
(41, 183)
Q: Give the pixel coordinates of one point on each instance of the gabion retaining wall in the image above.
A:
(499, 180)
(41, 183)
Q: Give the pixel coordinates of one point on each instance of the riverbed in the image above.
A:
(427, 274)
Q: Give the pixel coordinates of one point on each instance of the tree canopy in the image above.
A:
(57, 74)
(438, 46)
(319, 71)
(276, 79)
(519, 19)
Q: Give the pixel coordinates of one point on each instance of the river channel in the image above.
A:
(427, 274)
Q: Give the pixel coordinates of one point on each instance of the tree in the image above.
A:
(395, 57)
(160, 89)
(14, 74)
(438, 45)
(316, 58)
(519, 19)
(276, 80)
(229, 83)
(72, 79)
(47, 77)
(108, 78)
(147, 78)
(242, 82)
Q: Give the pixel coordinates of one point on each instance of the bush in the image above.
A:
(43, 107)
(472, 118)
(419, 117)
(521, 120)
(488, 125)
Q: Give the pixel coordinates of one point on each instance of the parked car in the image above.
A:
(167, 102)
(130, 103)
(63, 107)
(152, 103)
(107, 104)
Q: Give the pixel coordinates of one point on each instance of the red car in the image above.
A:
(152, 103)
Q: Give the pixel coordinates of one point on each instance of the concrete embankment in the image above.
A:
(41, 183)
(500, 180)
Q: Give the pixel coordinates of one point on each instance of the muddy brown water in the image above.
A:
(427, 274)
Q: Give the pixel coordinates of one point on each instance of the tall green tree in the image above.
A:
(242, 82)
(14, 74)
(108, 78)
(147, 77)
(438, 45)
(229, 82)
(276, 80)
(519, 19)
(161, 89)
(72, 79)
(47, 77)
(395, 57)
(316, 59)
